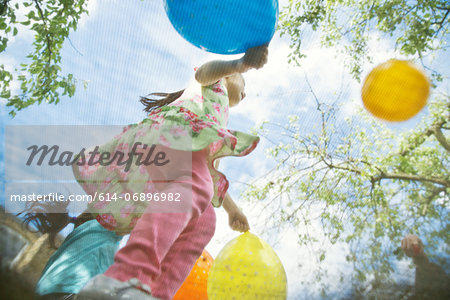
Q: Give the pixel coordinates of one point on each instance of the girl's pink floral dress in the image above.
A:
(201, 119)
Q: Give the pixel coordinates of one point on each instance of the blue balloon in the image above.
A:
(224, 26)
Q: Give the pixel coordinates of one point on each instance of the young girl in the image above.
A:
(87, 251)
(167, 203)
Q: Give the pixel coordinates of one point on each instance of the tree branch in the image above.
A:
(410, 177)
(434, 129)
(332, 166)
(441, 23)
(444, 18)
(3, 7)
(437, 132)
(401, 176)
(47, 34)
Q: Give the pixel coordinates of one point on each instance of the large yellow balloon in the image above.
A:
(247, 268)
(395, 90)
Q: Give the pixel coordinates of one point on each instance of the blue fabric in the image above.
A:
(87, 251)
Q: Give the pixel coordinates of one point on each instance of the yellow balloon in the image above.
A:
(247, 268)
(395, 90)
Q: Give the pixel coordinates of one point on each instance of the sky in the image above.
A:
(127, 49)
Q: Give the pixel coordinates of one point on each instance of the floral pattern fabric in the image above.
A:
(200, 118)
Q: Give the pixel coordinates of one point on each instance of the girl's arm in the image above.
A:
(215, 70)
(236, 218)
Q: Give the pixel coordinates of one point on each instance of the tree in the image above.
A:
(364, 184)
(418, 27)
(41, 78)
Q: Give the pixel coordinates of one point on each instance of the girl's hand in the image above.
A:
(412, 246)
(254, 58)
(211, 72)
(238, 221)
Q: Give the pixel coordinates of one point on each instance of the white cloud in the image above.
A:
(268, 88)
(92, 8)
(24, 33)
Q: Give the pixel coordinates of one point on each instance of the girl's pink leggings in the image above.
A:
(163, 247)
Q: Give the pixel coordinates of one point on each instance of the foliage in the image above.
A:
(418, 27)
(365, 185)
(355, 182)
(41, 78)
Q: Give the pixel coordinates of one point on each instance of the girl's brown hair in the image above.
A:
(46, 217)
(167, 98)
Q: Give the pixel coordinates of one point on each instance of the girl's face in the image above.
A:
(235, 85)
